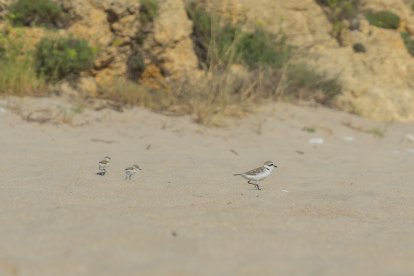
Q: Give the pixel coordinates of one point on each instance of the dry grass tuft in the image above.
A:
(17, 73)
(210, 99)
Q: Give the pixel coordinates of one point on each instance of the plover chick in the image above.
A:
(259, 173)
(102, 165)
(129, 172)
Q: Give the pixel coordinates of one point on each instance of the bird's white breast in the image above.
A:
(259, 176)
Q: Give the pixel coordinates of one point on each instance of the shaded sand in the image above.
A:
(341, 208)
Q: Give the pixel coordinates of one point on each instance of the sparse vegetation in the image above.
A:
(309, 129)
(409, 42)
(338, 11)
(135, 64)
(359, 48)
(2, 52)
(375, 131)
(230, 94)
(149, 10)
(304, 83)
(45, 13)
(341, 9)
(220, 43)
(58, 58)
(201, 31)
(128, 92)
(383, 19)
(259, 48)
(208, 100)
(17, 74)
(380, 133)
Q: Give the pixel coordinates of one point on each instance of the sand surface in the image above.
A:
(340, 208)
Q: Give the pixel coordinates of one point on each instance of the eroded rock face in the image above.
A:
(169, 45)
(112, 27)
(377, 84)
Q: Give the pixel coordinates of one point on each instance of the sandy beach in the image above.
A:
(344, 207)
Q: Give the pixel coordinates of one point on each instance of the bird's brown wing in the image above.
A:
(255, 171)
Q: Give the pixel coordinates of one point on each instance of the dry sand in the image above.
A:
(340, 208)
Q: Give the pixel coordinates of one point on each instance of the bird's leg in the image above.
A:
(257, 185)
(253, 184)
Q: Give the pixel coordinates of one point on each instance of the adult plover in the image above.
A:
(259, 173)
(102, 165)
(129, 172)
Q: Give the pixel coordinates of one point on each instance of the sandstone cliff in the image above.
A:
(376, 84)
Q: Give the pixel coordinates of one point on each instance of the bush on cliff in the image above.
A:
(219, 43)
(409, 42)
(58, 58)
(44, 13)
(383, 19)
(148, 11)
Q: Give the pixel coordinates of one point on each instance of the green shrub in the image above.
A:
(383, 19)
(214, 38)
(219, 43)
(136, 65)
(306, 84)
(409, 42)
(58, 58)
(262, 49)
(359, 48)
(202, 30)
(45, 13)
(148, 11)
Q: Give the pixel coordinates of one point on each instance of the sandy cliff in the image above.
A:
(376, 84)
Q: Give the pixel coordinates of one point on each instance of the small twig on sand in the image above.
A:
(102, 141)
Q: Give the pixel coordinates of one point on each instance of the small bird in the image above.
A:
(259, 173)
(129, 172)
(102, 165)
